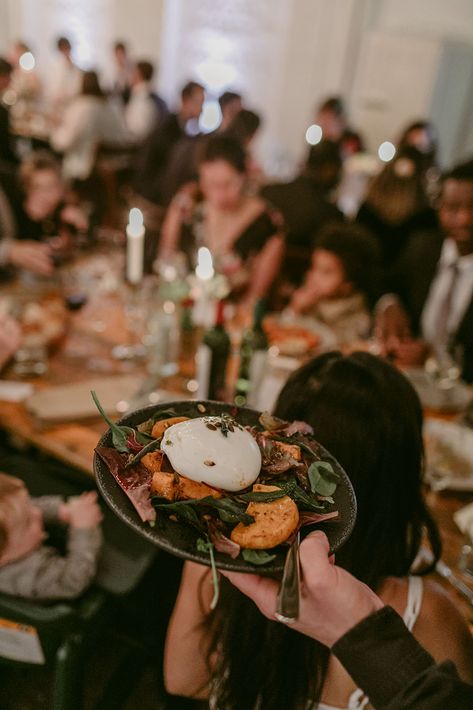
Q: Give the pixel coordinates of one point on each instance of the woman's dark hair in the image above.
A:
(421, 125)
(227, 148)
(368, 415)
(91, 85)
(63, 44)
(398, 191)
(334, 104)
(244, 125)
(145, 69)
(359, 254)
(37, 161)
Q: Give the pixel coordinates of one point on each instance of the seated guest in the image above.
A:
(396, 205)
(63, 78)
(422, 136)
(230, 104)
(434, 283)
(145, 109)
(341, 284)
(32, 570)
(244, 127)
(120, 73)
(332, 118)
(36, 223)
(44, 211)
(305, 201)
(7, 151)
(153, 160)
(21, 253)
(88, 121)
(25, 82)
(242, 233)
(366, 414)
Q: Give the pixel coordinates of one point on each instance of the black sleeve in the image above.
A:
(253, 239)
(7, 152)
(393, 669)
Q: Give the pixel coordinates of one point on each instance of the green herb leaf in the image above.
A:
(257, 557)
(150, 446)
(183, 509)
(261, 496)
(323, 479)
(119, 434)
(298, 494)
(206, 546)
(228, 510)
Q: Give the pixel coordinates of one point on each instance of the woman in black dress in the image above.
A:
(244, 235)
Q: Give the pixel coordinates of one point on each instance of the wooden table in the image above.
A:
(73, 442)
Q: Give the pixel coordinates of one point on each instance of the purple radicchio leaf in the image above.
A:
(221, 542)
(134, 481)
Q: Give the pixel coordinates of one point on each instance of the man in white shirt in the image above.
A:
(64, 78)
(144, 108)
(434, 284)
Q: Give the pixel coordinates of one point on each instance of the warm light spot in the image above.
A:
(313, 134)
(27, 62)
(386, 151)
(204, 269)
(211, 116)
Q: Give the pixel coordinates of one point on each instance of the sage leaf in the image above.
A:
(322, 478)
(257, 557)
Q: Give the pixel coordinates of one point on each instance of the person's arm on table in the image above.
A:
(370, 640)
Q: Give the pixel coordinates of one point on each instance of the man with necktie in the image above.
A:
(431, 307)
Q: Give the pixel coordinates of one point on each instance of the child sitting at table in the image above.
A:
(341, 283)
(32, 570)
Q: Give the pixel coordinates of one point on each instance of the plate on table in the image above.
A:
(449, 455)
(451, 399)
(298, 335)
(179, 538)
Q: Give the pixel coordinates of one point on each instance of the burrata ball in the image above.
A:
(203, 450)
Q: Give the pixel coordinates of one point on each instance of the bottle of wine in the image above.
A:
(212, 357)
(253, 354)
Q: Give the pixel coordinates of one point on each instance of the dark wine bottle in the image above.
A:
(253, 354)
(212, 357)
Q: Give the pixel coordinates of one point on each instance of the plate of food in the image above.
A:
(220, 485)
(449, 455)
(298, 335)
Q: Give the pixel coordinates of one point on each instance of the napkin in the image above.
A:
(73, 401)
(15, 391)
(464, 520)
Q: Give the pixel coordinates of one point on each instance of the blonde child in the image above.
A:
(32, 570)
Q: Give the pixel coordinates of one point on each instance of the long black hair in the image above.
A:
(369, 417)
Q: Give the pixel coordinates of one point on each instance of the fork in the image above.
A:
(287, 609)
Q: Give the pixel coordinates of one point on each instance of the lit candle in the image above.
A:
(135, 242)
(204, 273)
(204, 269)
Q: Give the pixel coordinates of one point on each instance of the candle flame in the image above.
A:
(135, 219)
(204, 269)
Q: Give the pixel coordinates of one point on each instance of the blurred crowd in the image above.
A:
(381, 252)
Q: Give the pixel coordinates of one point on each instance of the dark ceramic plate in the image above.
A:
(180, 539)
